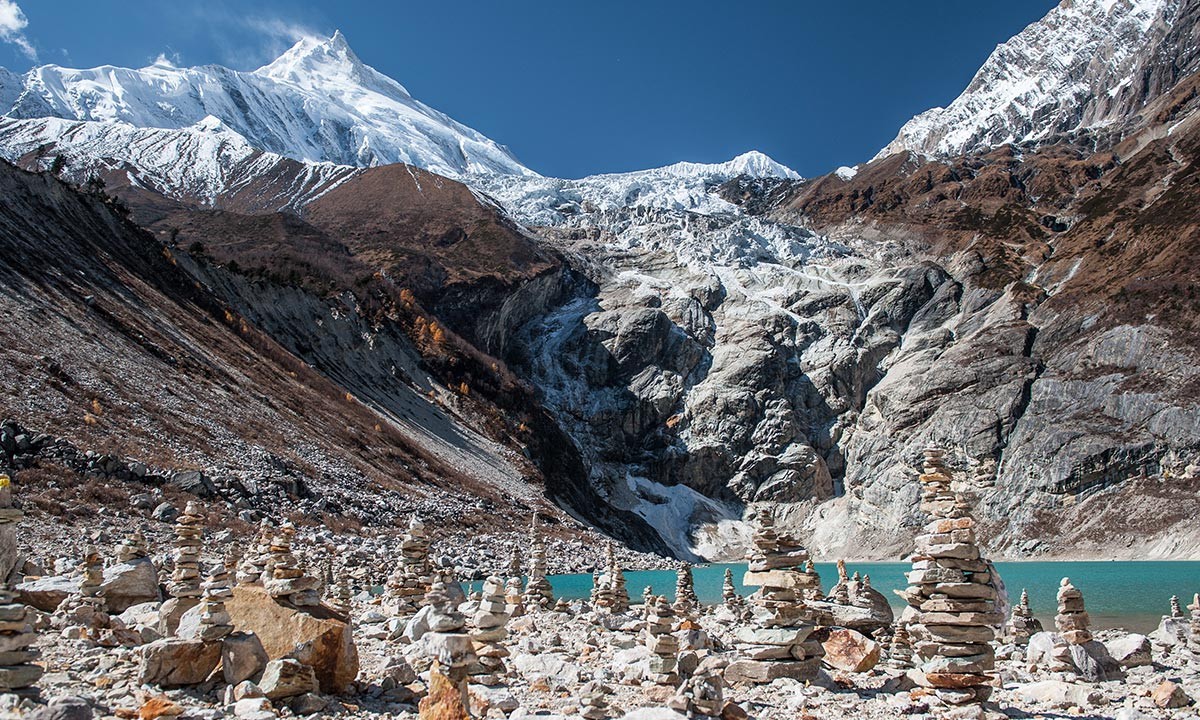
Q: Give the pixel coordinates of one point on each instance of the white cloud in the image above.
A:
(12, 28)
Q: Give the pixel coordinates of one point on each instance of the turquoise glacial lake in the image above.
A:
(1130, 595)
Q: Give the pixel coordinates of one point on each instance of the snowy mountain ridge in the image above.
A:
(1087, 64)
(317, 102)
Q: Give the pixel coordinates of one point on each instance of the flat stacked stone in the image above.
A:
(215, 622)
(286, 579)
(778, 644)
(189, 538)
(686, 602)
(597, 588)
(661, 642)
(700, 696)
(448, 643)
(342, 597)
(538, 592)
(1023, 625)
(489, 633)
(562, 605)
(900, 651)
(252, 569)
(513, 601)
(840, 592)
(952, 589)
(514, 564)
(1072, 619)
(620, 593)
(132, 547)
(18, 673)
(729, 594)
(812, 582)
(593, 701)
(1176, 610)
(407, 586)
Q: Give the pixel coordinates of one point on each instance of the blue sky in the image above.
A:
(576, 88)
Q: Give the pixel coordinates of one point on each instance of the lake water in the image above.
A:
(1132, 595)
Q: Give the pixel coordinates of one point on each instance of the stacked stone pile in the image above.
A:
(661, 642)
(1022, 625)
(285, 578)
(18, 673)
(700, 696)
(252, 569)
(189, 533)
(513, 600)
(538, 592)
(594, 701)
(1072, 619)
(686, 602)
(951, 588)
(447, 643)
(215, 622)
(1176, 610)
(133, 547)
(779, 643)
(900, 652)
(408, 585)
(489, 633)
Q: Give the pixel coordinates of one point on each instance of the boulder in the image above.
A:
(313, 636)
(130, 583)
(46, 593)
(1172, 631)
(1059, 694)
(850, 650)
(242, 657)
(1130, 650)
(66, 707)
(445, 700)
(287, 678)
(554, 668)
(174, 662)
(1169, 695)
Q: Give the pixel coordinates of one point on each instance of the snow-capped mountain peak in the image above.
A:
(752, 163)
(317, 63)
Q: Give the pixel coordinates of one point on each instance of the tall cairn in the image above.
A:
(686, 602)
(900, 652)
(661, 642)
(285, 578)
(952, 590)
(1194, 623)
(189, 532)
(447, 641)
(18, 673)
(215, 622)
(407, 586)
(1072, 619)
(1022, 625)
(252, 568)
(779, 643)
(538, 592)
(489, 633)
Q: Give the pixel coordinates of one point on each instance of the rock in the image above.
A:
(1130, 650)
(287, 678)
(314, 638)
(247, 689)
(130, 583)
(552, 667)
(165, 512)
(1059, 694)
(46, 593)
(253, 709)
(195, 482)
(850, 650)
(445, 701)
(159, 706)
(1169, 695)
(242, 657)
(66, 707)
(307, 704)
(175, 662)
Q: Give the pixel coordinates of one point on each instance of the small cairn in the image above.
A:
(597, 589)
(253, 566)
(662, 643)
(616, 582)
(513, 602)
(538, 592)
(286, 579)
(562, 605)
(700, 696)
(342, 596)
(593, 701)
(408, 585)
(489, 633)
(1072, 619)
(839, 594)
(132, 548)
(951, 588)
(1194, 623)
(18, 673)
(1023, 625)
(189, 532)
(730, 597)
(779, 643)
(215, 622)
(1176, 610)
(447, 642)
(900, 651)
(686, 602)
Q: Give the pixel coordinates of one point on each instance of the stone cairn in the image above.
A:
(900, 650)
(84, 610)
(952, 590)
(700, 696)
(18, 673)
(189, 532)
(686, 602)
(513, 602)
(1176, 610)
(1194, 623)
(489, 633)
(1023, 625)
(538, 592)
(412, 579)
(1072, 619)
(732, 600)
(620, 593)
(285, 579)
(133, 547)
(839, 594)
(215, 622)
(661, 642)
(253, 567)
(593, 701)
(447, 642)
(779, 643)
(594, 597)
(342, 597)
